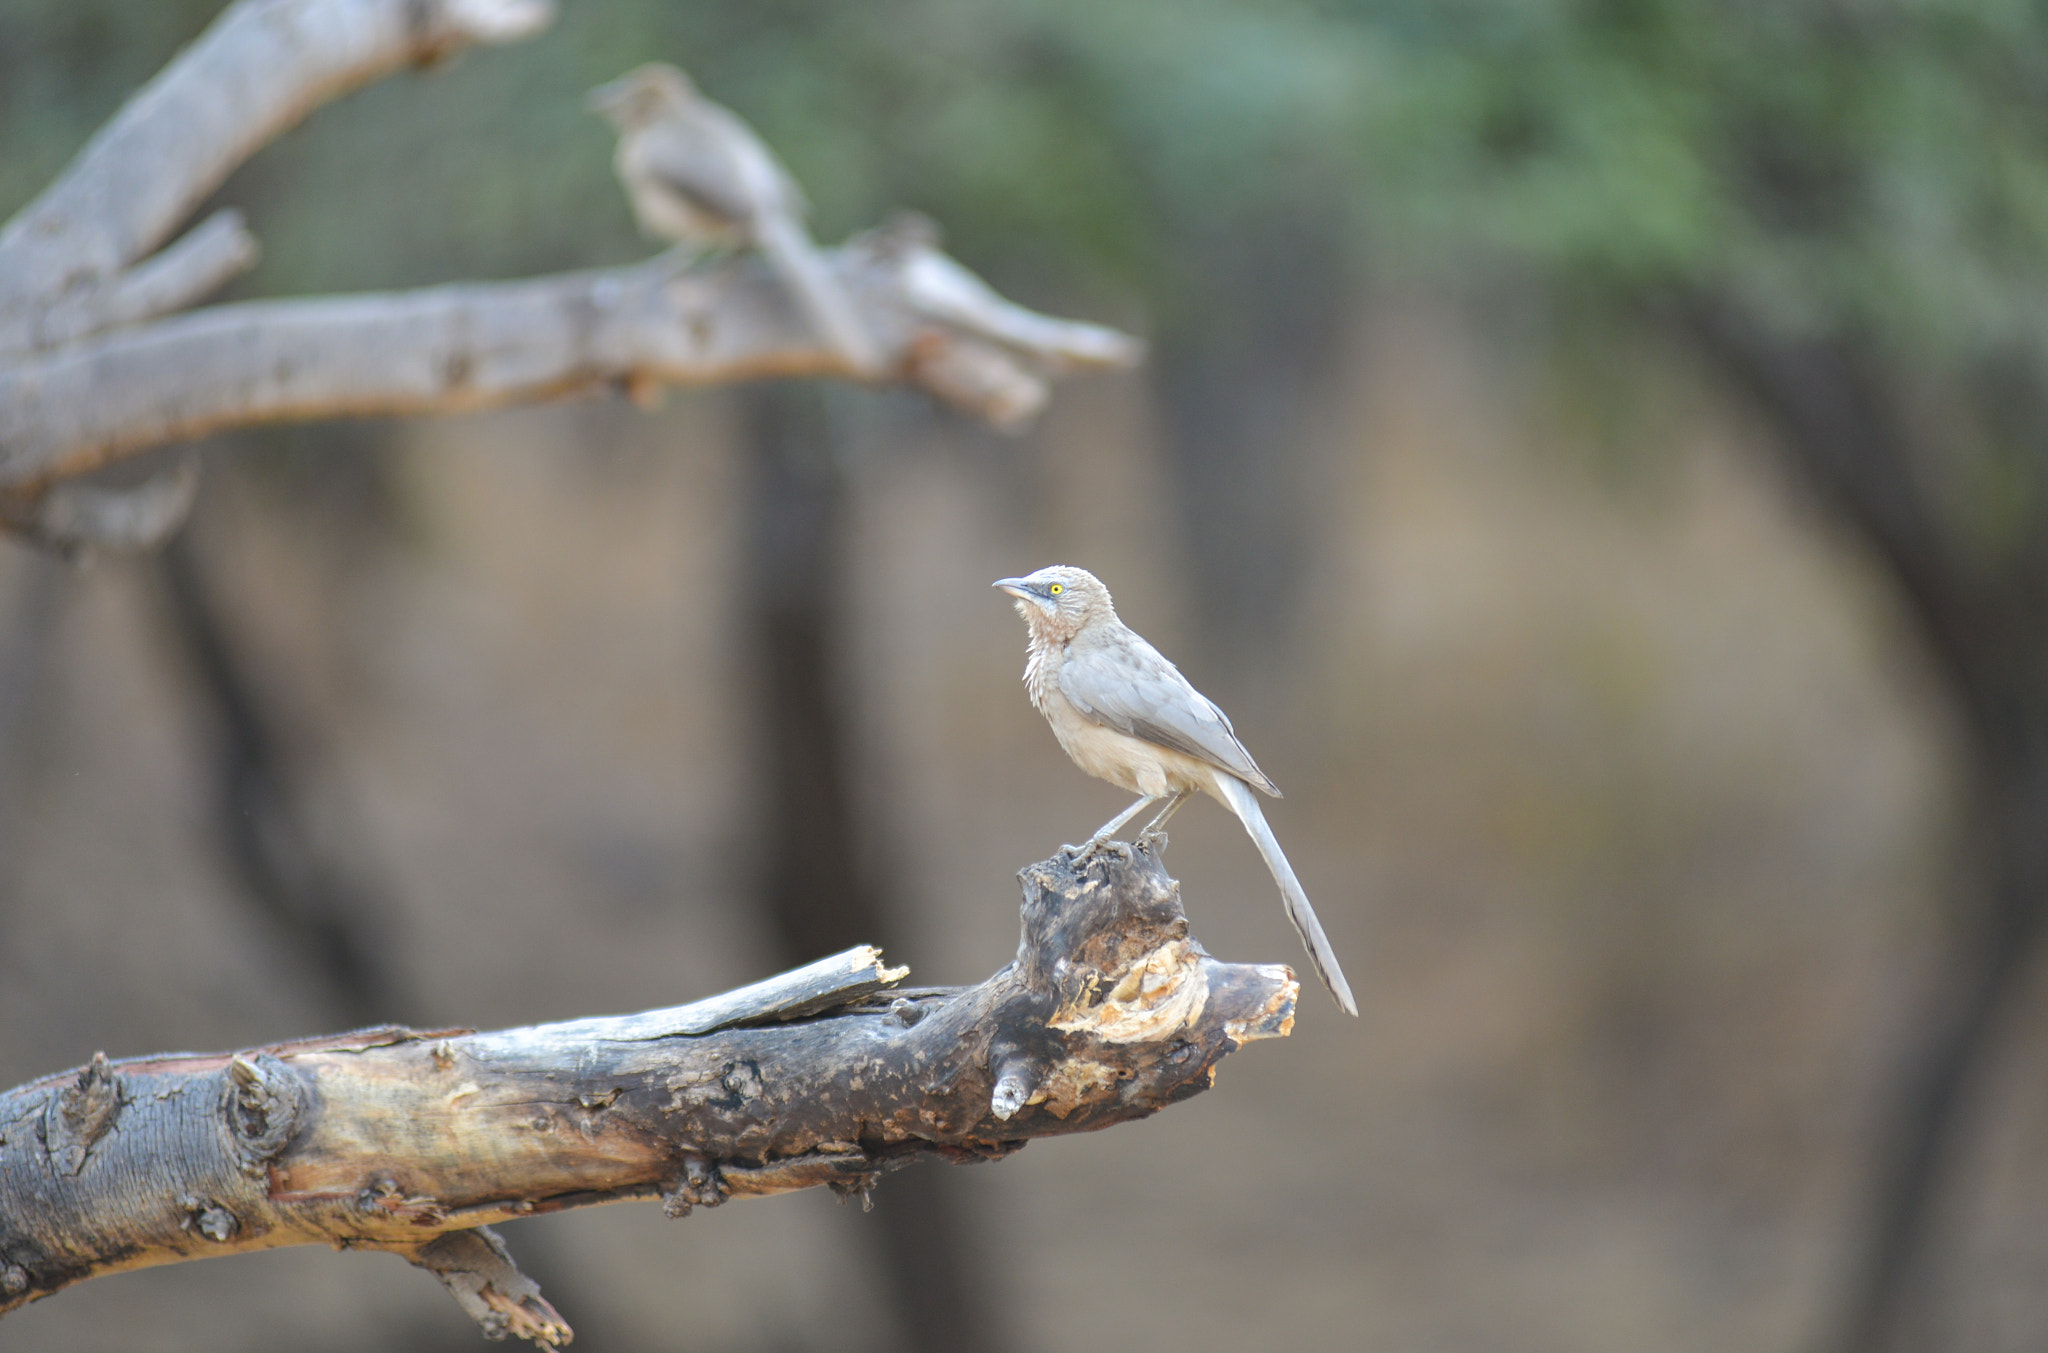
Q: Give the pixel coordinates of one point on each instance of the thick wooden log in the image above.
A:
(417, 1141)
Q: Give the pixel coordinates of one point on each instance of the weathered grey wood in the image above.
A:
(400, 1139)
(179, 275)
(828, 984)
(483, 345)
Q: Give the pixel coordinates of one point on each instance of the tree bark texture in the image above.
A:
(418, 1141)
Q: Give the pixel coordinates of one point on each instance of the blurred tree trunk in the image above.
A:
(323, 916)
(1983, 612)
(1242, 375)
(817, 889)
(27, 626)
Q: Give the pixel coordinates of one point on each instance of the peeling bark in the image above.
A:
(415, 1141)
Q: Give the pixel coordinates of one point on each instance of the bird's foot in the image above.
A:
(1153, 840)
(1087, 850)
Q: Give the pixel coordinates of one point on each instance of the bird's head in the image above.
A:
(1058, 600)
(641, 94)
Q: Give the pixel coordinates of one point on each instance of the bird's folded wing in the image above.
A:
(694, 160)
(1128, 685)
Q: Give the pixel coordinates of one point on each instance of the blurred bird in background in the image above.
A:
(697, 175)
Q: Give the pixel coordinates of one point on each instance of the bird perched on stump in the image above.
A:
(1126, 715)
(697, 174)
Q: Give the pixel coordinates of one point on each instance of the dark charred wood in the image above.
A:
(403, 1140)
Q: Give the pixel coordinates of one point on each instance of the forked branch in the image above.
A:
(97, 363)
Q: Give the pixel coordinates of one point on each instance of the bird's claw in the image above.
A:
(1086, 851)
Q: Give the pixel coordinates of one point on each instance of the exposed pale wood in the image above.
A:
(392, 1138)
(812, 989)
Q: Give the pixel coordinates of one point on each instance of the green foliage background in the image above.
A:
(1879, 163)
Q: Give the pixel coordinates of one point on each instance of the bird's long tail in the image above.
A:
(1245, 804)
(818, 293)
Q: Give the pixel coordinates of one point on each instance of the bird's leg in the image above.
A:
(1115, 824)
(681, 258)
(1157, 826)
(1111, 827)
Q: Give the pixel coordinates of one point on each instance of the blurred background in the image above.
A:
(1596, 449)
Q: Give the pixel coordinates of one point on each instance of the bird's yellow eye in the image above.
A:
(1056, 588)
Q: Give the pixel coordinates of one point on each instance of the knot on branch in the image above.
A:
(82, 1114)
(261, 1103)
(209, 1218)
(698, 1186)
(1122, 1011)
(1104, 935)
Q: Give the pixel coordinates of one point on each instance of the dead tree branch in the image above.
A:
(484, 345)
(417, 1142)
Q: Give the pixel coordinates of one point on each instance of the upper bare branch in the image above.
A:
(256, 71)
(481, 345)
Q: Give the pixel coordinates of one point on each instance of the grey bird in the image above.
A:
(1126, 715)
(696, 174)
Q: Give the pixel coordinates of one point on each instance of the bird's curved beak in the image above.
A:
(1024, 590)
(606, 99)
